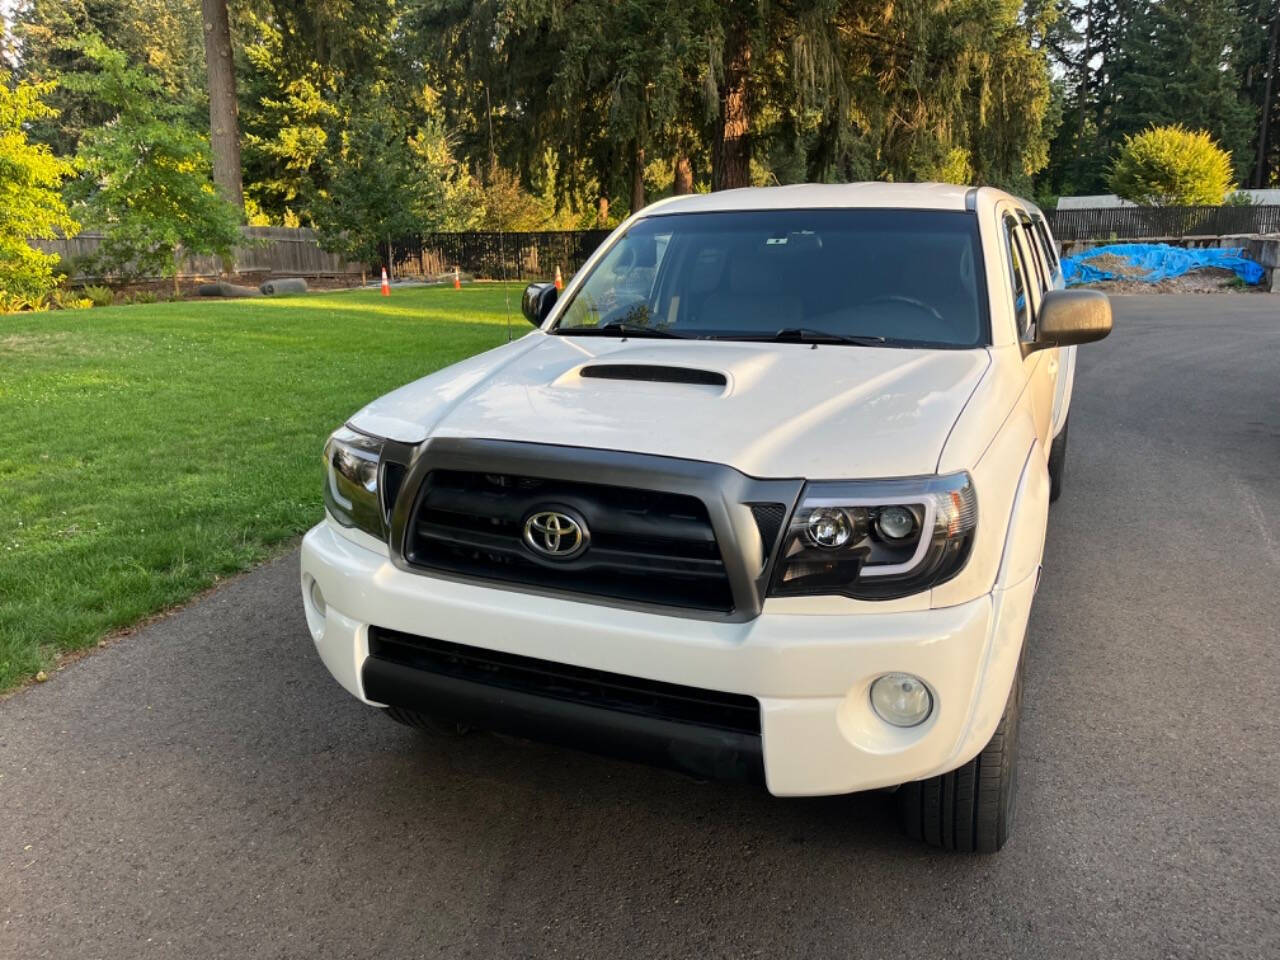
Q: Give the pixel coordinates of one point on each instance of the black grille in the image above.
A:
(645, 546)
(596, 688)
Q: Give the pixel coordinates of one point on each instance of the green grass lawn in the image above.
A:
(150, 450)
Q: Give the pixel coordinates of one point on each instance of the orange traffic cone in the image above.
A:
(386, 286)
(457, 279)
(559, 280)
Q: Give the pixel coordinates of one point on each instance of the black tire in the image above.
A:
(970, 810)
(435, 726)
(1058, 461)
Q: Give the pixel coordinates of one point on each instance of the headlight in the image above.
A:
(352, 464)
(876, 540)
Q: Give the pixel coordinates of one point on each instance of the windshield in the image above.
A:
(902, 277)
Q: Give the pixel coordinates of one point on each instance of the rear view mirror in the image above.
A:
(1070, 317)
(537, 302)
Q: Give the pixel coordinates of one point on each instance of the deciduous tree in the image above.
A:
(144, 176)
(31, 205)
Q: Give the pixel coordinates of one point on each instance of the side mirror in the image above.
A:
(1069, 317)
(537, 302)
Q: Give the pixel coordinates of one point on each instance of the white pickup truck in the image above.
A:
(763, 496)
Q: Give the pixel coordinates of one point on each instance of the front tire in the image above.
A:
(1058, 461)
(970, 809)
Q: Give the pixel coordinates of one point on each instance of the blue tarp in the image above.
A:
(1158, 261)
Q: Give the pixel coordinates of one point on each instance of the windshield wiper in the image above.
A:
(619, 328)
(810, 335)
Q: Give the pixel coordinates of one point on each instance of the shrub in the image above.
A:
(99, 296)
(144, 296)
(16, 302)
(63, 299)
(30, 202)
(1171, 166)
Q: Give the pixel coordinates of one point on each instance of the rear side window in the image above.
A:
(1042, 232)
(1039, 259)
(1018, 268)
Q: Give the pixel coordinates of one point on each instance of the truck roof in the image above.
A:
(799, 196)
(923, 196)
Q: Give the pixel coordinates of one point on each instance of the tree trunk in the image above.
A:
(684, 174)
(731, 151)
(602, 212)
(224, 124)
(637, 179)
(1261, 175)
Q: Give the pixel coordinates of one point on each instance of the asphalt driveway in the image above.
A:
(203, 788)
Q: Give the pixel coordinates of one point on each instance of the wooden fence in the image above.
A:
(1149, 223)
(289, 251)
(280, 251)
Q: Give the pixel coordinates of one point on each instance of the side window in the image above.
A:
(1042, 231)
(624, 283)
(1018, 267)
(1039, 259)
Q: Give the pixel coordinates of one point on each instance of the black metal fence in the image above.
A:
(493, 256)
(1144, 223)
(535, 256)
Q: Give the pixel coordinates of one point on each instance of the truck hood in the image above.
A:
(768, 409)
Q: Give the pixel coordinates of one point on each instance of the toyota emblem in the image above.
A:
(556, 534)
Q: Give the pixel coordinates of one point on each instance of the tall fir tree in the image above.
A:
(1258, 64)
(161, 36)
(1180, 66)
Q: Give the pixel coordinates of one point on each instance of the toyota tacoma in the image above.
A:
(762, 496)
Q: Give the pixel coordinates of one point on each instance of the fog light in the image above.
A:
(317, 598)
(901, 699)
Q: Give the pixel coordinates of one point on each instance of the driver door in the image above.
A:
(1029, 287)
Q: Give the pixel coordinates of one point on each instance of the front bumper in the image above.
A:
(810, 673)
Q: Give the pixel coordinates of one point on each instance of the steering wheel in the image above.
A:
(909, 301)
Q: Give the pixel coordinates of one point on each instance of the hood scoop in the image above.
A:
(654, 373)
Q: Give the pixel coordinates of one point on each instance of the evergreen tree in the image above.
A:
(1181, 58)
(1090, 54)
(290, 122)
(914, 91)
(1128, 64)
(746, 91)
(1258, 64)
(161, 36)
(382, 185)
